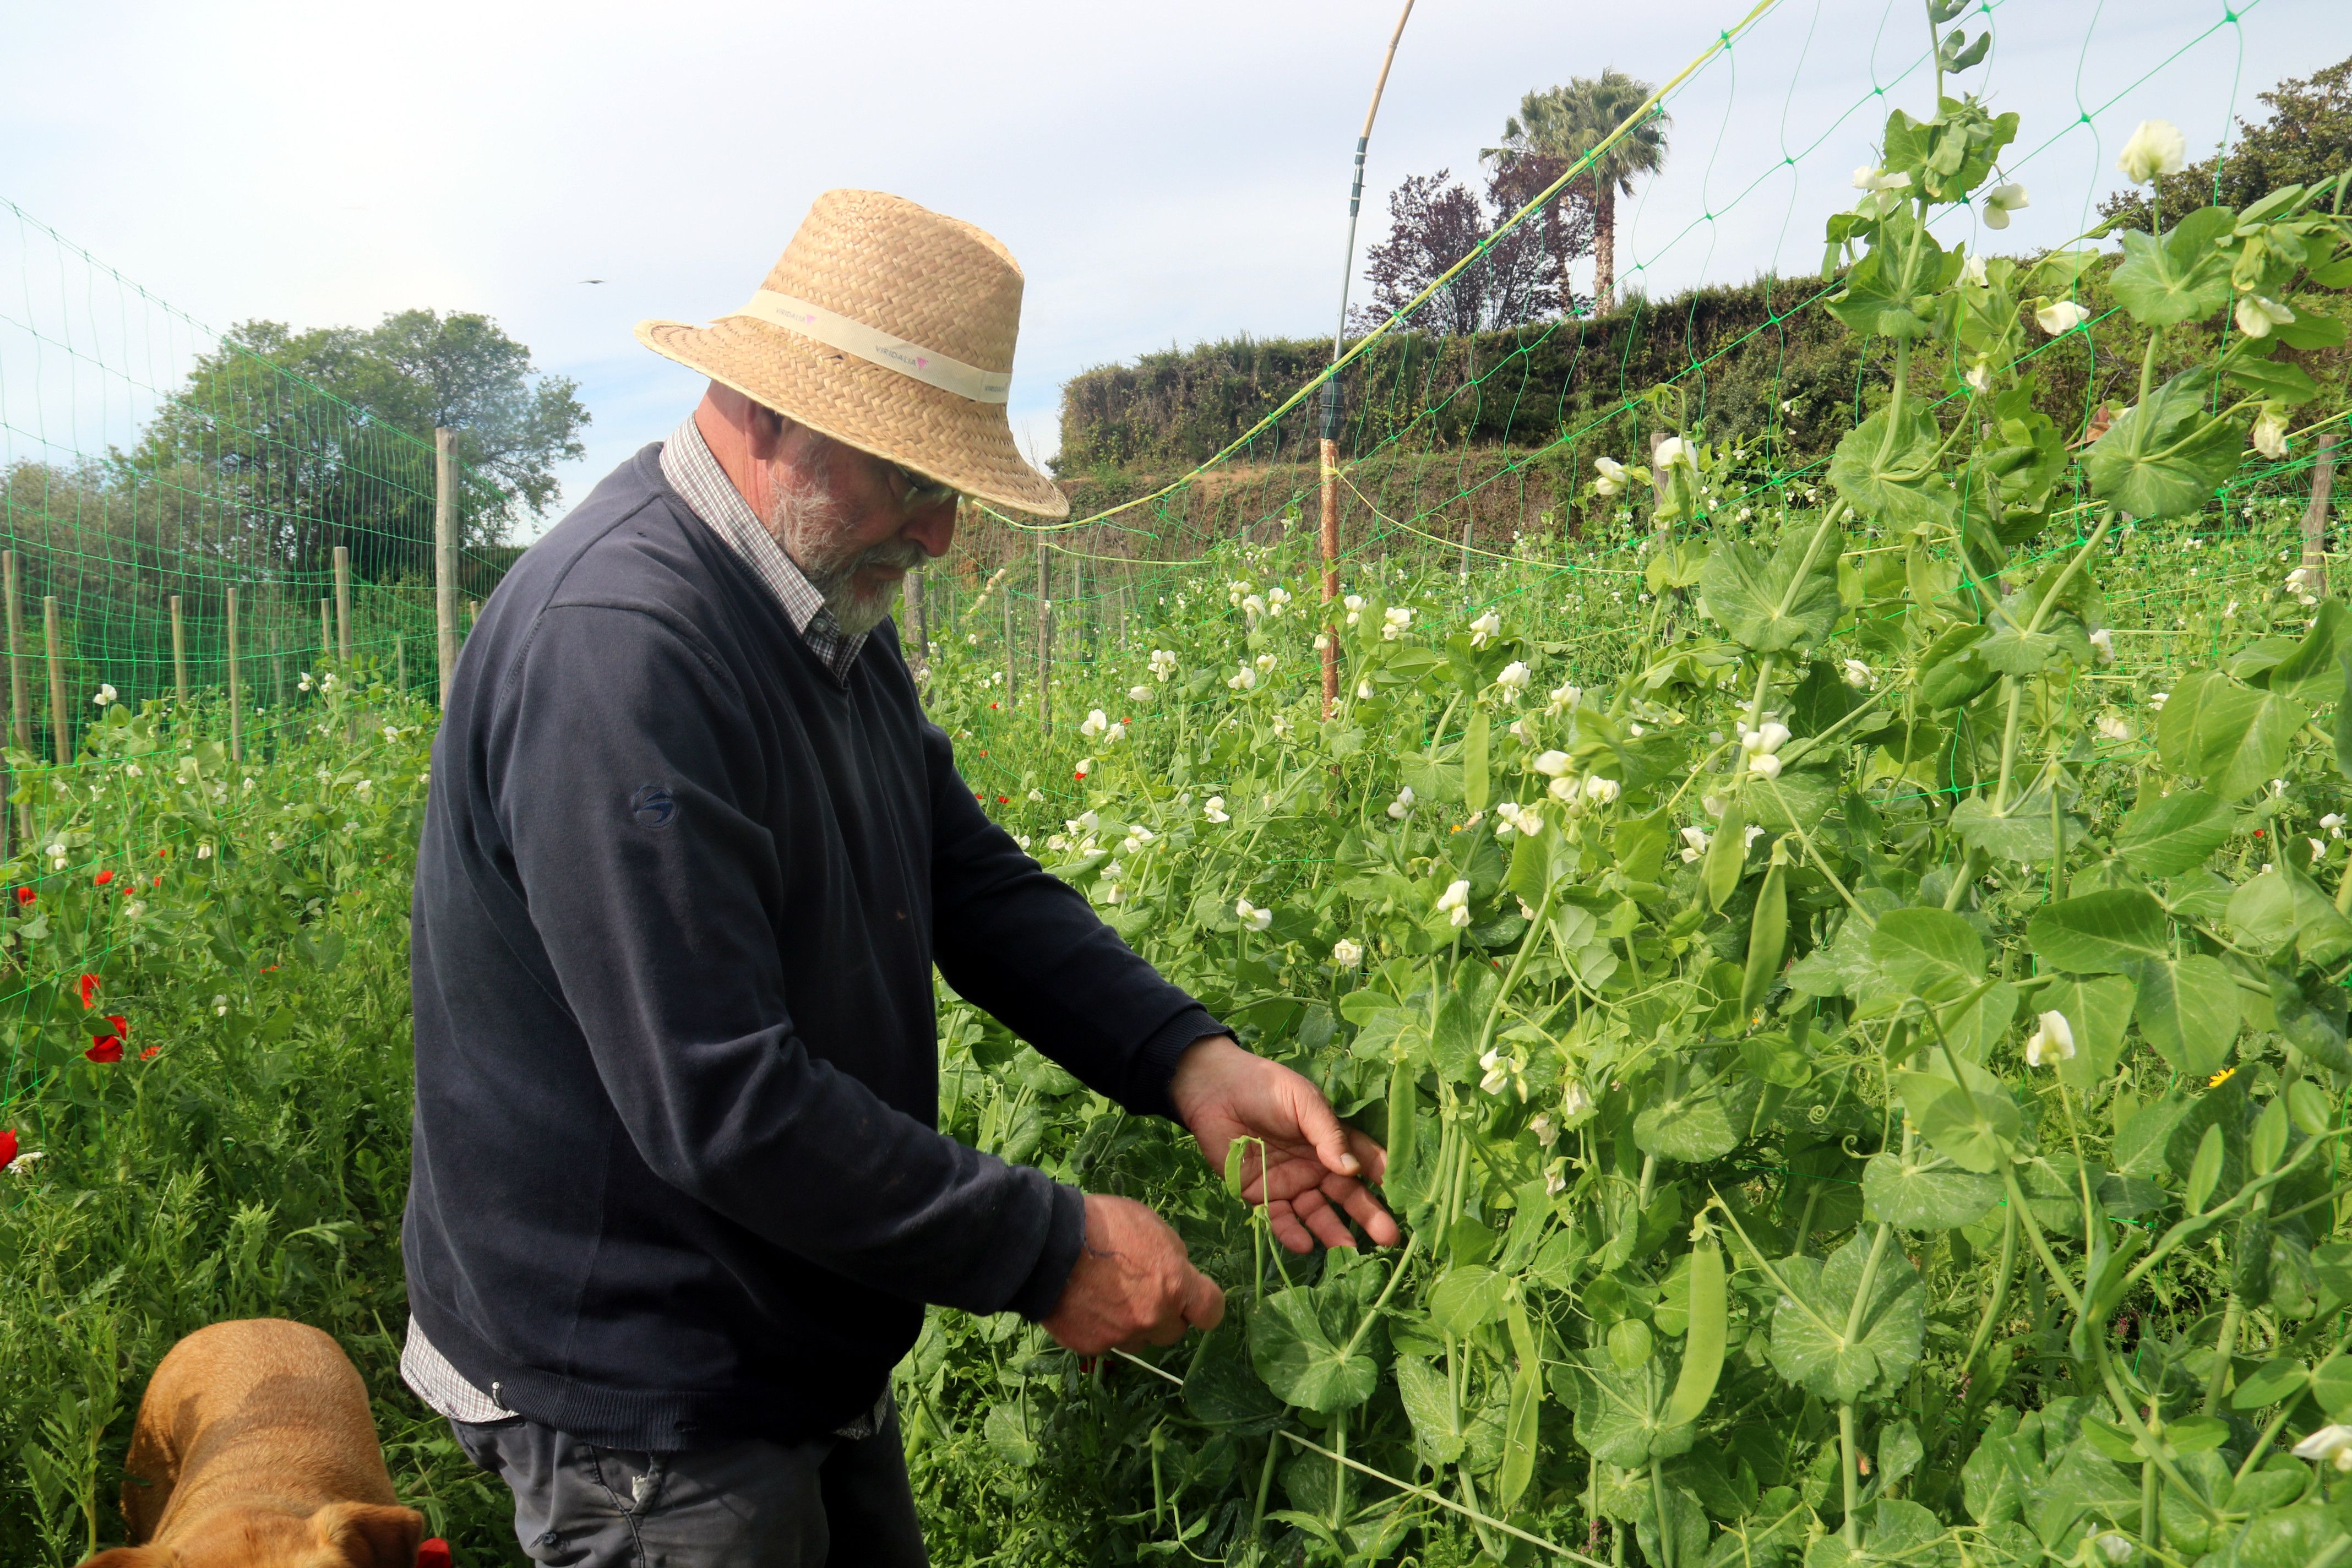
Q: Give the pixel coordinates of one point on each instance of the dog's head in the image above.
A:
(341, 1535)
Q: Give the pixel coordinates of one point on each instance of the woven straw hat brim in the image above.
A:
(875, 409)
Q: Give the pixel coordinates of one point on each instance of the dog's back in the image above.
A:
(254, 1448)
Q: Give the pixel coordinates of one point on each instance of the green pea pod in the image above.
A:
(2251, 1275)
(1702, 1349)
(1727, 856)
(1402, 1129)
(1474, 763)
(1767, 937)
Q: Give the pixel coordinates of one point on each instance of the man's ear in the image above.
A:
(370, 1534)
(132, 1557)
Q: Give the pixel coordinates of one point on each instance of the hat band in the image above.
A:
(878, 347)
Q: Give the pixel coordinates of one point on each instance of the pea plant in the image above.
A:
(1860, 1040)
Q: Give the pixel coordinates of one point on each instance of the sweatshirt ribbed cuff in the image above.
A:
(1065, 1235)
(1161, 1050)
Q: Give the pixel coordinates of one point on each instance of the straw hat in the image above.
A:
(889, 327)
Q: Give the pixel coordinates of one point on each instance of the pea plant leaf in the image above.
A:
(1299, 1343)
(1928, 952)
(2174, 833)
(2178, 278)
(2188, 1009)
(1769, 606)
(1620, 1414)
(1925, 1191)
(2110, 932)
(1887, 469)
(2166, 456)
(2097, 1008)
(1838, 1344)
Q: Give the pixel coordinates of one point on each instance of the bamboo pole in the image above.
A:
(325, 631)
(179, 657)
(235, 688)
(400, 662)
(60, 741)
(445, 556)
(1044, 645)
(1009, 682)
(20, 701)
(2315, 518)
(343, 605)
(1331, 548)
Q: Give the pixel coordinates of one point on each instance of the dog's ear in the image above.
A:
(132, 1557)
(371, 1534)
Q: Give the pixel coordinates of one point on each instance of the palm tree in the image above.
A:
(1567, 122)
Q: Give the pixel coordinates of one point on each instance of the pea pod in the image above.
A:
(1727, 856)
(1702, 1349)
(1768, 936)
(1402, 1129)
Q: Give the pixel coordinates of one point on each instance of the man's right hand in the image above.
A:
(1134, 1284)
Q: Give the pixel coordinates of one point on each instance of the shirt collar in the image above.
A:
(693, 471)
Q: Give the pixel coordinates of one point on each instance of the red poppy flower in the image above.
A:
(105, 1049)
(991, 705)
(7, 1148)
(2258, 833)
(103, 877)
(158, 878)
(88, 987)
(151, 1053)
(433, 1552)
(121, 1024)
(1079, 777)
(26, 895)
(1003, 800)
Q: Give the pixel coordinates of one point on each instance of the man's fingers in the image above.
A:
(1328, 1227)
(1204, 1302)
(1321, 1128)
(1286, 1229)
(1366, 1210)
(1373, 1158)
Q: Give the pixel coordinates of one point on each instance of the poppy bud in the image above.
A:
(105, 1049)
(7, 1147)
(87, 986)
(103, 877)
(26, 895)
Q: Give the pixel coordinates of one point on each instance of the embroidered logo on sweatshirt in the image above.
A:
(653, 806)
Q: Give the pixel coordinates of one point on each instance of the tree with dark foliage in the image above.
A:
(2307, 137)
(1520, 277)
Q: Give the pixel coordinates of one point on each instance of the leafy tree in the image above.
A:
(1563, 124)
(1435, 221)
(2307, 137)
(307, 440)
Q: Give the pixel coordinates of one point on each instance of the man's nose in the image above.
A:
(933, 528)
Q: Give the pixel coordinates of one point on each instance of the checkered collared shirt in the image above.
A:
(687, 464)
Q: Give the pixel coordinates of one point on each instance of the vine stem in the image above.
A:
(2000, 1298)
(2014, 685)
(1850, 1529)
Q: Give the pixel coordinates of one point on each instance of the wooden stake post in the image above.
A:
(2315, 518)
(179, 657)
(60, 738)
(20, 699)
(445, 556)
(1044, 648)
(343, 605)
(236, 690)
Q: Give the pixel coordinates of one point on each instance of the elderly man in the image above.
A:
(691, 854)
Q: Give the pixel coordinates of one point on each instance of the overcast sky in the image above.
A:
(1165, 175)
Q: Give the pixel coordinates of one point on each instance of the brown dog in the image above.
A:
(254, 1449)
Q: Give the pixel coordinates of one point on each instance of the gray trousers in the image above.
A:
(755, 1504)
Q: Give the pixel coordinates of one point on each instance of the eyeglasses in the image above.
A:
(916, 490)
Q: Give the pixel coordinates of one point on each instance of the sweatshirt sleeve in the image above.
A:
(1027, 946)
(665, 947)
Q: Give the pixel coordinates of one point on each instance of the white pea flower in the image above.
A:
(1251, 916)
(1514, 678)
(303, 684)
(1765, 740)
(1213, 808)
(1253, 607)
(1402, 806)
(2113, 1547)
(1562, 788)
(2113, 728)
(135, 909)
(1612, 479)
(1363, 690)
(1243, 678)
(1552, 765)
(1599, 791)
(1483, 630)
(2301, 582)
(1277, 600)
(1971, 271)
(327, 682)
(2060, 316)
(1574, 1100)
(2334, 823)
(1872, 178)
(1235, 591)
(1354, 605)
(1764, 765)
(2269, 431)
(1164, 663)
(2051, 1044)
(2000, 201)
(2103, 642)
(220, 1006)
(1517, 819)
(1694, 843)
(1979, 377)
(1139, 693)
(1322, 642)
(2332, 1443)
(2257, 314)
(2230, 611)
(1037, 797)
(1858, 675)
(1086, 765)
(1021, 839)
(363, 789)
(2318, 846)
(1094, 724)
(204, 851)
(1454, 902)
(1564, 698)
(1545, 1130)
(1265, 662)
(2156, 699)
(1112, 893)
(105, 698)
(1394, 619)
(2157, 147)
(1347, 954)
(1673, 449)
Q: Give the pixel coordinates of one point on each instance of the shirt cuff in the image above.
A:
(1155, 1062)
(1065, 1235)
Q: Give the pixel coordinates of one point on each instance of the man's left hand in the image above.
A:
(1314, 1169)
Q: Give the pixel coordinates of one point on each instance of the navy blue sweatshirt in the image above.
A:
(676, 1175)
